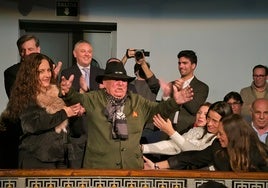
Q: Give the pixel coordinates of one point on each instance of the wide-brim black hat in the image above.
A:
(114, 71)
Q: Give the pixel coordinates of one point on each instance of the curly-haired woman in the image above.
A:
(43, 116)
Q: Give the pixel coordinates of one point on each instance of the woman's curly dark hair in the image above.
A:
(26, 86)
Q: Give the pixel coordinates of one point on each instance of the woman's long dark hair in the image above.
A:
(241, 140)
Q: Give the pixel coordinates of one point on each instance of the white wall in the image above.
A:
(229, 37)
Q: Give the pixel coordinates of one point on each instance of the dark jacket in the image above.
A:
(94, 71)
(39, 137)
(214, 155)
(10, 77)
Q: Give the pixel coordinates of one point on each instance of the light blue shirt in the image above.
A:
(261, 137)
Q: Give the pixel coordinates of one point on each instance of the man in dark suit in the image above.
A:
(26, 44)
(184, 119)
(83, 72)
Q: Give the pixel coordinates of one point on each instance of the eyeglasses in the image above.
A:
(258, 75)
(234, 103)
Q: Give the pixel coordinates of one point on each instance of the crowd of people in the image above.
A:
(88, 117)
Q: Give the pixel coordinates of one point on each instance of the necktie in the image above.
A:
(86, 70)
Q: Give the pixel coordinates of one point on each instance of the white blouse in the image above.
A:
(177, 143)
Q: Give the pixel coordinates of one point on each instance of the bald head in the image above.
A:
(260, 102)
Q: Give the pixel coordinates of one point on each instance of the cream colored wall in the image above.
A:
(229, 38)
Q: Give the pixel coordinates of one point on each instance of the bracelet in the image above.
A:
(156, 166)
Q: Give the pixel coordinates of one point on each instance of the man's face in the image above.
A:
(259, 114)
(29, 47)
(83, 53)
(185, 67)
(116, 88)
(259, 77)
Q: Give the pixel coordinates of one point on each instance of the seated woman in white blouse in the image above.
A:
(198, 138)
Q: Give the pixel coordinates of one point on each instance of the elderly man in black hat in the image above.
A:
(116, 117)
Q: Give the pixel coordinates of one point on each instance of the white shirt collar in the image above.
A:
(187, 82)
(80, 67)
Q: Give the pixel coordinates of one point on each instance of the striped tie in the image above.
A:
(86, 70)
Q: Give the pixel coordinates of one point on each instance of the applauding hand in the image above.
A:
(184, 95)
